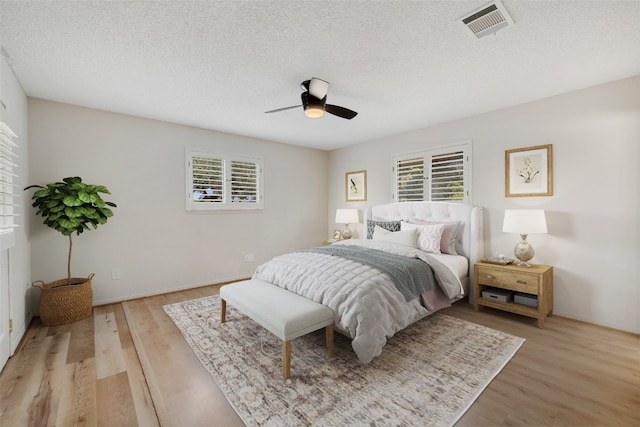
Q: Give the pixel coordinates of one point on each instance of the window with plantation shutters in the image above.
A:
(8, 176)
(438, 174)
(409, 176)
(447, 176)
(244, 175)
(223, 182)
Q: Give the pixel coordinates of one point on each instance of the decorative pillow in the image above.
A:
(387, 225)
(449, 234)
(405, 238)
(429, 236)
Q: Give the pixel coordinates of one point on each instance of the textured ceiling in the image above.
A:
(402, 65)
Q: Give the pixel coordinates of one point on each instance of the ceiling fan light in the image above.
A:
(313, 111)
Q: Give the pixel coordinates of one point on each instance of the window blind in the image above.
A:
(208, 180)
(244, 182)
(410, 179)
(447, 176)
(8, 193)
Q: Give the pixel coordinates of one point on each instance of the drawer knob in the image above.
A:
(490, 276)
(521, 282)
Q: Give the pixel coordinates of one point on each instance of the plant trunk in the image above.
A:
(69, 261)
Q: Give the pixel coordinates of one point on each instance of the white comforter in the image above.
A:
(366, 304)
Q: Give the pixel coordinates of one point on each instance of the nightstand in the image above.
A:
(530, 283)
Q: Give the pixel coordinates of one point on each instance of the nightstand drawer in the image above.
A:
(511, 280)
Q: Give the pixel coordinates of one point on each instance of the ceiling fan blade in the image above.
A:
(318, 87)
(283, 109)
(336, 110)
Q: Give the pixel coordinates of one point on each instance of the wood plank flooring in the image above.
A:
(128, 365)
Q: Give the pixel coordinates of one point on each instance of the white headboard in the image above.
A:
(470, 240)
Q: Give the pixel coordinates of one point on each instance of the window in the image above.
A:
(223, 181)
(439, 174)
(7, 178)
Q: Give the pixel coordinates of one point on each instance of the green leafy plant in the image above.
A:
(72, 206)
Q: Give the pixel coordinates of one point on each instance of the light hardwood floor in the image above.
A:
(128, 365)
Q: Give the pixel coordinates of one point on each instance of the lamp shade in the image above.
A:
(524, 221)
(347, 216)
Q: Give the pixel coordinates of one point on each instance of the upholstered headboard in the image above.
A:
(470, 239)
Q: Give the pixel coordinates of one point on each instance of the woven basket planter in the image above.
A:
(62, 303)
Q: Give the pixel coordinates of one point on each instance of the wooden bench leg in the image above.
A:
(329, 334)
(286, 359)
(223, 310)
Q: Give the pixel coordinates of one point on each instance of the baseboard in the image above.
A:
(166, 291)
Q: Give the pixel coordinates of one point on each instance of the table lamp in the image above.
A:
(346, 217)
(524, 222)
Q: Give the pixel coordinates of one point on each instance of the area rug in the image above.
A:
(427, 375)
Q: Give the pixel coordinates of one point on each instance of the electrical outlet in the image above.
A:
(249, 258)
(115, 274)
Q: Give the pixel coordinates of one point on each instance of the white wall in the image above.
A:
(14, 113)
(157, 245)
(594, 214)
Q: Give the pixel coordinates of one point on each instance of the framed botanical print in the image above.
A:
(528, 171)
(356, 186)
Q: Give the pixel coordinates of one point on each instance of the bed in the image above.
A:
(360, 279)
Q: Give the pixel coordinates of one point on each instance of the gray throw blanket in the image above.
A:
(411, 276)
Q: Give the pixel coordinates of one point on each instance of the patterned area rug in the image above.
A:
(428, 375)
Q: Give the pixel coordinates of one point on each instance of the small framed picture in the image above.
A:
(356, 186)
(337, 234)
(528, 171)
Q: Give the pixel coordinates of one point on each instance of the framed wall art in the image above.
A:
(528, 171)
(356, 186)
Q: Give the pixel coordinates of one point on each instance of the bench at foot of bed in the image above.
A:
(281, 312)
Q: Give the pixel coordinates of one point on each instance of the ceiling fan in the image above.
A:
(314, 101)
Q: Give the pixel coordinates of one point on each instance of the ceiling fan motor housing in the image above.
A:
(313, 107)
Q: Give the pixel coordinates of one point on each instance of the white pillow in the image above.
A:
(429, 236)
(405, 238)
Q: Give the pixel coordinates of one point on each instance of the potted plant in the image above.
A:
(67, 207)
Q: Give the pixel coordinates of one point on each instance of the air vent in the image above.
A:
(487, 20)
